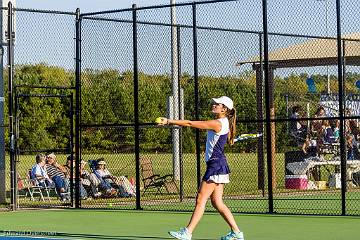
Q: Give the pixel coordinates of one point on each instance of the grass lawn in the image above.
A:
(243, 167)
(241, 194)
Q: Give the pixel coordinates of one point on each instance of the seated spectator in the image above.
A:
(297, 128)
(351, 125)
(124, 186)
(39, 173)
(310, 149)
(327, 132)
(326, 139)
(316, 125)
(89, 180)
(105, 187)
(69, 161)
(310, 146)
(337, 130)
(68, 166)
(57, 174)
(352, 148)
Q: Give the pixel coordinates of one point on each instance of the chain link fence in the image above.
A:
(293, 80)
(41, 116)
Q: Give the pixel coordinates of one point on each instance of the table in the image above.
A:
(302, 168)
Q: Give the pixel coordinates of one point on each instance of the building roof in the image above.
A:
(314, 52)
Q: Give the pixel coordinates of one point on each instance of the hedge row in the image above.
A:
(107, 97)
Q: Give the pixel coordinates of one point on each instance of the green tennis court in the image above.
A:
(107, 224)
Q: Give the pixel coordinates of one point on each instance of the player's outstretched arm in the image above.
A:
(209, 125)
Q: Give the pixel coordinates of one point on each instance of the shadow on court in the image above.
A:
(99, 236)
(102, 236)
(88, 236)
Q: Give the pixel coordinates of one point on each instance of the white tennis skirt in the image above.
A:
(222, 178)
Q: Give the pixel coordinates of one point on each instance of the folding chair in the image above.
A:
(155, 181)
(26, 189)
(36, 187)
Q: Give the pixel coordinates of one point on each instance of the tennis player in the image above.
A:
(220, 131)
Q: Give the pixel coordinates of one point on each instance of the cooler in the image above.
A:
(296, 181)
(320, 185)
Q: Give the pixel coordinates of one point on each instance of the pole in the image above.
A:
(71, 150)
(267, 108)
(2, 127)
(181, 116)
(136, 107)
(327, 35)
(260, 125)
(2, 136)
(10, 42)
(77, 107)
(341, 110)
(175, 91)
(196, 95)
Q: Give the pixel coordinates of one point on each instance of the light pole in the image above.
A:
(327, 35)
(3, 44)
(175, 90)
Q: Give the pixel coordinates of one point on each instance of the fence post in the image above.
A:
(181, 115)
(77, 106)
(2, 123)
(2, 115)
(136, 107)
(13, 174)
(175, 80)
(2, 128)
(260, 125)
(341, 109)
(267, 107)
(71, 147)
(196, 95)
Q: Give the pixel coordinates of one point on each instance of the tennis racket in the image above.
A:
(246, 136)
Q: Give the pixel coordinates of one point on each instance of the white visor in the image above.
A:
(226, 101)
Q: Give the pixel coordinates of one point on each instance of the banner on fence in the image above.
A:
(331, 104)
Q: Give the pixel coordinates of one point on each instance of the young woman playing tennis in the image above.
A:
(220, 131)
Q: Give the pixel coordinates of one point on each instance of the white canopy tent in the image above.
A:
(314, 52)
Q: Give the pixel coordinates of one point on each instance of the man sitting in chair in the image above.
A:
(39, 173)
(297, 129)
(57, 174)
(106, 189)
(71, 161)
(352, 152)
(123, 185)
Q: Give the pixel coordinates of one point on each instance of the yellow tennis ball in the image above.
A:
(110, 204)
(158, 120)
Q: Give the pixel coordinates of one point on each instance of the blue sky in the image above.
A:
(110, 44)
(87, 5)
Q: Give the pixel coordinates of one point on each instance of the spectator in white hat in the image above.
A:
(57, 173)
(121, 183)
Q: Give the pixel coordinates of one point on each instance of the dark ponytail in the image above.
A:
(231, 115)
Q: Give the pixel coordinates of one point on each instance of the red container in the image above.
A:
(132, 181)
(296, 181)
